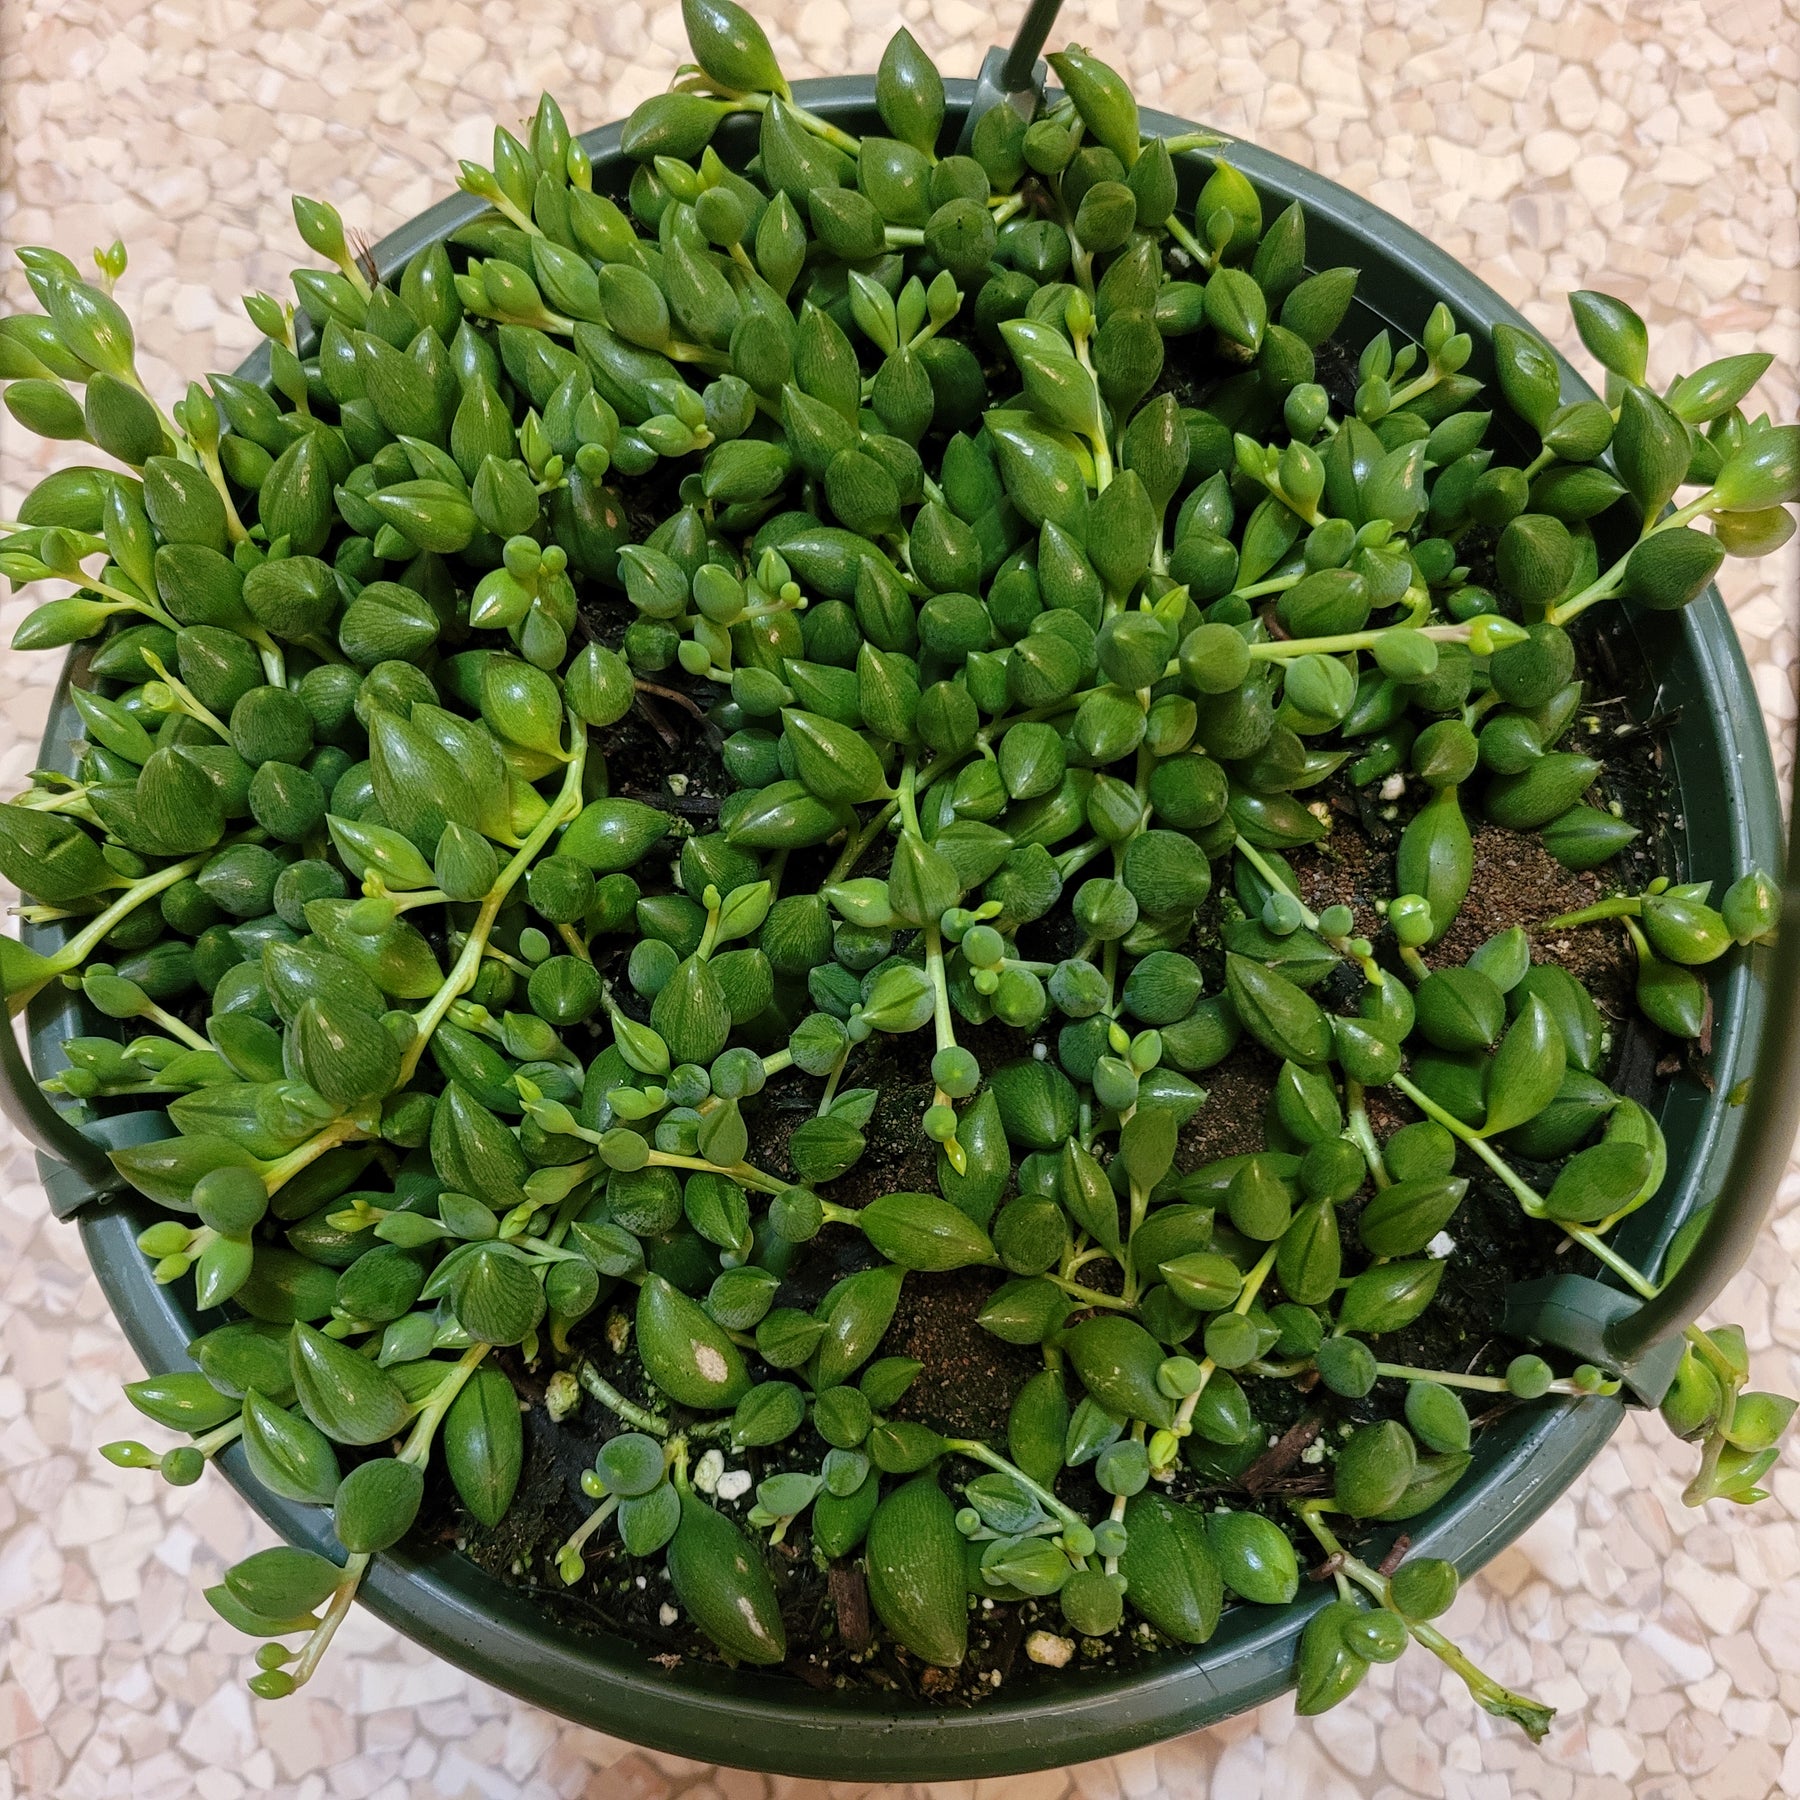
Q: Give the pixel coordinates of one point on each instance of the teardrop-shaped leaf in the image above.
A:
(1527, 1069)
(720, 1581)
(856, 1314)
(484, 1444)
(689, 1357)
(346, 1395)
(920, 1231)
(915, 1572)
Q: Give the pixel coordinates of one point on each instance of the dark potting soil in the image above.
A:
(970, 1378)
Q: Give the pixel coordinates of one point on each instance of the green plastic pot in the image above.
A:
(1720, 758)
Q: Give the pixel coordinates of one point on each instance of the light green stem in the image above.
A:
(1531, 1202)
(709, 935)
(1605, 586)
(1539, 463)
(823, 128)
(1527, 1196)
(1089, 1296)
(1358, 1129)
(742, 1173)
(1478, 1384)
(1285, 649)
(943, 1021)
(346, 1130)
(1070, 863)
(1420, 384)
(588, 1526)
(187, 701)
(976, 1451)
(234, 526)
(565, 806)
(1096, 432)
(1184, 1417)
(628, 1410)
(855, 847)
(72, 800)
(83, 944)
(1191, 244)
(175, 1027)
(1621, 906)
(934, 966)
(1193, 140)
(1502, 1702)
(125, 601)
(335, 1614)
(1273, 584)
(212, 1442)
(1261, 864)
(417, 1448)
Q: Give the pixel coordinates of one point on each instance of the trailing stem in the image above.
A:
(1488, 1694)
(416, 1451)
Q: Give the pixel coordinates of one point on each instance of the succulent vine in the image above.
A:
(1038, 545)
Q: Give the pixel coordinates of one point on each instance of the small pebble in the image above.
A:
(1441, 1246)
(733, 1486)
(666, 1614)
(708, 1470)
(1047, 1648)
(1393, 787)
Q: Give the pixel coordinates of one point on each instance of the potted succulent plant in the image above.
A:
(663, 815)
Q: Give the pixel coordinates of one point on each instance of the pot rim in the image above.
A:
(1525, 1462)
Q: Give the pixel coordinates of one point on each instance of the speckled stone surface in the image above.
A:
(1646, 149)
